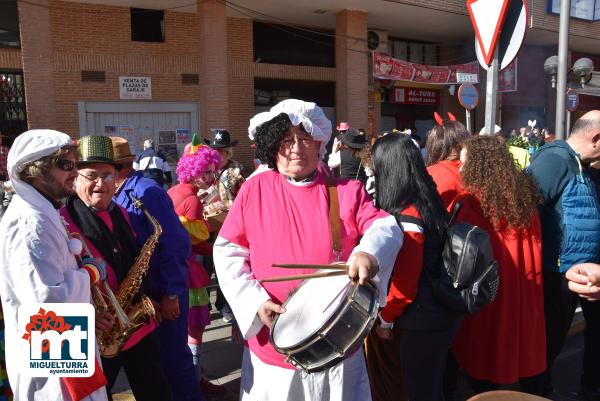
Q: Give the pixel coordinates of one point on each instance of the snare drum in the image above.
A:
(326, 320)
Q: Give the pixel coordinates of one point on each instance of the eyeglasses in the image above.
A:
(95, 178)
(65, 164)
(304, 142)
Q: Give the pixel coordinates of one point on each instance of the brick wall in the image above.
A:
(242, 72)
(97, 37)
(36, 54)
(10, 59)
(351, 59)
(579, 29)
(241, 85)
(214, 74)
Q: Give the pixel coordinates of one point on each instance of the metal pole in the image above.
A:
(561, 76)
(468, 120)
(491, 95)
(568, 124)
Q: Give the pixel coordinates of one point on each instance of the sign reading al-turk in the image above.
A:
(135, 87)
(417, 96)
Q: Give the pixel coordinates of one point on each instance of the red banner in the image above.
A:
(507, 78)
(423, 97)
(386, 67)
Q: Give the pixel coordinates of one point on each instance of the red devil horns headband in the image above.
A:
(439, 120)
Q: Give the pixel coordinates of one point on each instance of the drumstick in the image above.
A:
(303, 276)
(333, 266)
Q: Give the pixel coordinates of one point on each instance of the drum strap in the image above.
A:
(334, 216)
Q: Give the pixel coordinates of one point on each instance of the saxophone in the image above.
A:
(129, 316)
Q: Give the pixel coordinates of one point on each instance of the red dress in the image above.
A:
(446, 176)
(507, 339)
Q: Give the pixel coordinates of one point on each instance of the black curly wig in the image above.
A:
(269, 136)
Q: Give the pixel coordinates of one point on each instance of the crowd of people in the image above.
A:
(87, 214)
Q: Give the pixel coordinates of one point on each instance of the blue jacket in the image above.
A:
(570, 212)
(168, 273)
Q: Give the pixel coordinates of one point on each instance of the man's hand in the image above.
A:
(169, 308)
(385, 334)
(584, 279)
(157, 312)
(266, 312)
(363, 266)
(104, 321)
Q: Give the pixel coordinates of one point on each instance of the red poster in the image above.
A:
(507, 78)
(420, 96)
(386, 67)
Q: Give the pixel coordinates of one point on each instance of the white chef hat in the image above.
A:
(308, 114)
(30, 146)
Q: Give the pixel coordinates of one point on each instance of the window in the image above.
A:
(147, 25)
(13, 115)
(588, 10)
(282, 44)
(268, 92)
(9, 24)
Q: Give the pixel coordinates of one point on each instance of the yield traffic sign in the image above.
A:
(487, 17)
(512, 35)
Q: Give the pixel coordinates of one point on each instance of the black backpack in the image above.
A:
(468, 279)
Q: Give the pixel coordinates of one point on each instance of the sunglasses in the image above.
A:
(65, 164)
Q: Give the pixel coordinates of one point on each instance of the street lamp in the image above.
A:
(583, 69)
(551, 68)
(578, 76)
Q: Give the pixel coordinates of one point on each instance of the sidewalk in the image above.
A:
(221, 359)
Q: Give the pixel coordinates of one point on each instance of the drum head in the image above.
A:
(308, 309)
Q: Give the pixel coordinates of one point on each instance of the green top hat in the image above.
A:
(96, 149)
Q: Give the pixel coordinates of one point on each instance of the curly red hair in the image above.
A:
(507, 195)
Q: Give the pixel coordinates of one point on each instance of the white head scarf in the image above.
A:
(497, 129)
(308, 114)
(28, 147)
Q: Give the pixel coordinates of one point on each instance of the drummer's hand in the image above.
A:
(385, 334)
(266, 312)
(363, 266)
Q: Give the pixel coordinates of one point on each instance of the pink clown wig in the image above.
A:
(191, 165)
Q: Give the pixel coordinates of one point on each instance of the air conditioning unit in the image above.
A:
(377, 41)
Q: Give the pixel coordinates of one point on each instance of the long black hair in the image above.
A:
(401, 180)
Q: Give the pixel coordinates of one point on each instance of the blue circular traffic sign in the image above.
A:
(572, 100)
(468, 97)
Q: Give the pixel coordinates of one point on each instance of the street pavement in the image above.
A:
(221, 360)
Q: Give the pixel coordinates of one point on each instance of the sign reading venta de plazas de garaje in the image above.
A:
(135, 87)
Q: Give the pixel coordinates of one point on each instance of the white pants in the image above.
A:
(346, 381)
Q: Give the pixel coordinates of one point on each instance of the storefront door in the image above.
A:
(170, 125)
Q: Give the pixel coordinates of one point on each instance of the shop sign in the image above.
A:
(386, 67)
(463, 78)
(418, 96)
(135, 87)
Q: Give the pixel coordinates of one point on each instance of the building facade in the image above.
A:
(165, 69)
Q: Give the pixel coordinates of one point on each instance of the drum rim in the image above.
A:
(289, 352)
(282, 350)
